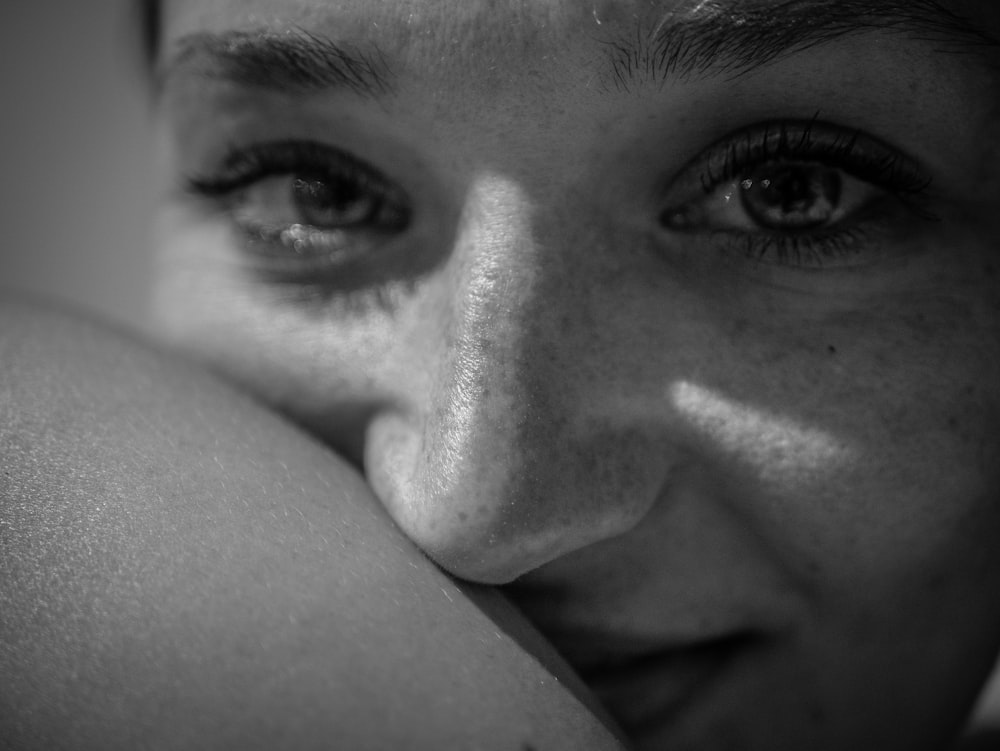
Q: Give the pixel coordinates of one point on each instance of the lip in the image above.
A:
(643, 685)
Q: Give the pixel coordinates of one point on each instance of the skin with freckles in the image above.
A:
(694, 353)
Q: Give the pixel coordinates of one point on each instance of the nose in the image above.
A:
(528, 440)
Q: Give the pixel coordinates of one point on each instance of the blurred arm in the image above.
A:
(180, 568)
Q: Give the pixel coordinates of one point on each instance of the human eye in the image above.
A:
(800, 194)
(301, 207)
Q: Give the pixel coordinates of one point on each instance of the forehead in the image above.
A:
(494, 22)
(498, 24)
(463, 29)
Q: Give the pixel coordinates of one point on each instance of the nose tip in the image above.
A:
(495, 494)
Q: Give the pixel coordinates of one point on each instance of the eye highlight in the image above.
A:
(801, 194)
(302, 207)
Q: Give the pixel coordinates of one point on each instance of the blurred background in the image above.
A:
(75, 198)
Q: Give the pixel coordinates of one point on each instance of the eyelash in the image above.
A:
(878, 163)
(299, 252)
(810, 143)
(293, 250)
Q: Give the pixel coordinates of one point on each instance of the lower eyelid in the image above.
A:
(847, 249)
(303, 240)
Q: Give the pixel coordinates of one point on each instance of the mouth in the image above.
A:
(645, 686)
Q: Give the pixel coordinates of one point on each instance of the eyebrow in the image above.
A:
(703, 37)
(292, 59)
(735, 37)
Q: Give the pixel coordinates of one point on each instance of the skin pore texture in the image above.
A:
(528, 266)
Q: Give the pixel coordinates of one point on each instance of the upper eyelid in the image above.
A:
(858, 153)
(867, 158)
(242, 166)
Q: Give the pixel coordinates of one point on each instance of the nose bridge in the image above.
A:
(483, 394)
(511, 470)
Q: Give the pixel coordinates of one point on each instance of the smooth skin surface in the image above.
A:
(698, 359)
(182, 569)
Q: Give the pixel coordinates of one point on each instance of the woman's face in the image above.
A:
(680, 319)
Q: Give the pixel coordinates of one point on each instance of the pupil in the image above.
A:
(792, 197)
(330, 202)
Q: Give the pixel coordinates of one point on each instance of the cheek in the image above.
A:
(871, 443)
(319, 363)
(779, 450)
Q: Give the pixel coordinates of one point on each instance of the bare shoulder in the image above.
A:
(181, 568)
